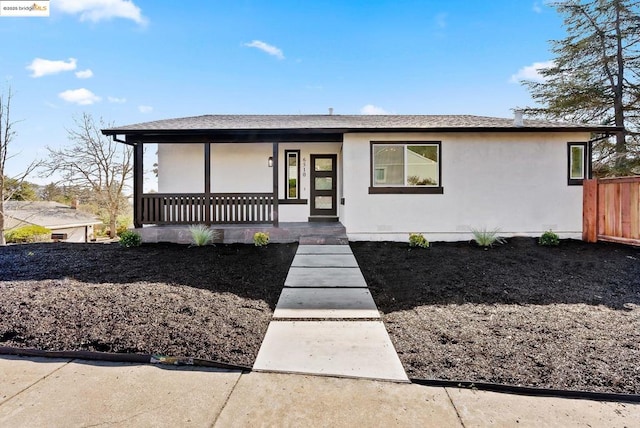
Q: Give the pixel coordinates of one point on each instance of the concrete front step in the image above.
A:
(326, 303)
(336, 348)
(323, 240)
(324, 277)
(324, 249)
(324, 260)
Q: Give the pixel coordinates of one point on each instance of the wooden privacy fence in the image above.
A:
(218, 208)
(611, 210)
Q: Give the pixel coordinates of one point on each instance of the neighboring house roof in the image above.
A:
(345, 123)
(51, 215)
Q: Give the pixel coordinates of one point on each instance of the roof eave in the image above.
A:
(267, 131)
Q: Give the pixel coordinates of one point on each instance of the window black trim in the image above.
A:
(427, 190)
(293, 201)
(586, 160)
(439, 190)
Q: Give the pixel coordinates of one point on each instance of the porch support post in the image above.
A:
(138, 181)
(207, 183)
(275, 184)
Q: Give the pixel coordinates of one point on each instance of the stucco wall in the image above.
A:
(297, 213)
(515, 182)
(180, 168)
(241, 168)
(238, 168)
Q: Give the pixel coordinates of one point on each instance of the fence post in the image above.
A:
(590, 210)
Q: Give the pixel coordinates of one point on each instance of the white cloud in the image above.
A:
(537, 8)
(116, 100)
(371, 109)
(265, 47)
(145, 109)
(84, 74)
(531, 72)
(98, 10)
(441, 20)
(41, 67)
(80, 96)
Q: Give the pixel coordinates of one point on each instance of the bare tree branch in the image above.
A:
(7, 134)
(96, 162)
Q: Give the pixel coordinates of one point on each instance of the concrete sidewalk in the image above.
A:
(326, 322)
(37, 392)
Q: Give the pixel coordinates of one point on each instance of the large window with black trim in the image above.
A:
(406, 167)
(578, 163)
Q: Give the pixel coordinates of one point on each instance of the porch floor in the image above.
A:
(286, 232)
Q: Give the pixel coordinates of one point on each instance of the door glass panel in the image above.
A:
(323, 164)
(324, 202)
(324, 183)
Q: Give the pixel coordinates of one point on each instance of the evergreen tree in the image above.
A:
(595, 76)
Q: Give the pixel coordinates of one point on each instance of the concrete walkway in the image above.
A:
(37, 392)
(326, 321)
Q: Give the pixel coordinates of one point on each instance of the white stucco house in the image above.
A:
(381, 177)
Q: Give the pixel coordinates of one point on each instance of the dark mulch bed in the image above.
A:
(204, 302)
(566, 317)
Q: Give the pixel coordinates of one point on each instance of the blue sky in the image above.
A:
(136, 61)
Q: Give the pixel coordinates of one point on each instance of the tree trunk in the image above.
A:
(113, 224)
(618, 96)
(3, 241)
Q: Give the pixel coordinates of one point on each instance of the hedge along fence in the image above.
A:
(611, 210)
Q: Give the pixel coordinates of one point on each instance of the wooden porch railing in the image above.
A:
(611, 210)
(217, 208)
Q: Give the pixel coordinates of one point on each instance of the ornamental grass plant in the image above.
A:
(487, 237)
(201, 235)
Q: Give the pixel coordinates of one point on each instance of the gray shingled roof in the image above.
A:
(341, 123)
(46, 213)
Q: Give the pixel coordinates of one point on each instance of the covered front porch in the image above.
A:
(241, 183)
(186, 178)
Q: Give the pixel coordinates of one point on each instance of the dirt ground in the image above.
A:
(210, 302)
(564, 317)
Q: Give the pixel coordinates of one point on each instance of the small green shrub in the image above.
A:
(130, 239)
(31, 233)
(201, 235)
(260, 239)
(418, 240)
(486, 238)
(549, 239)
